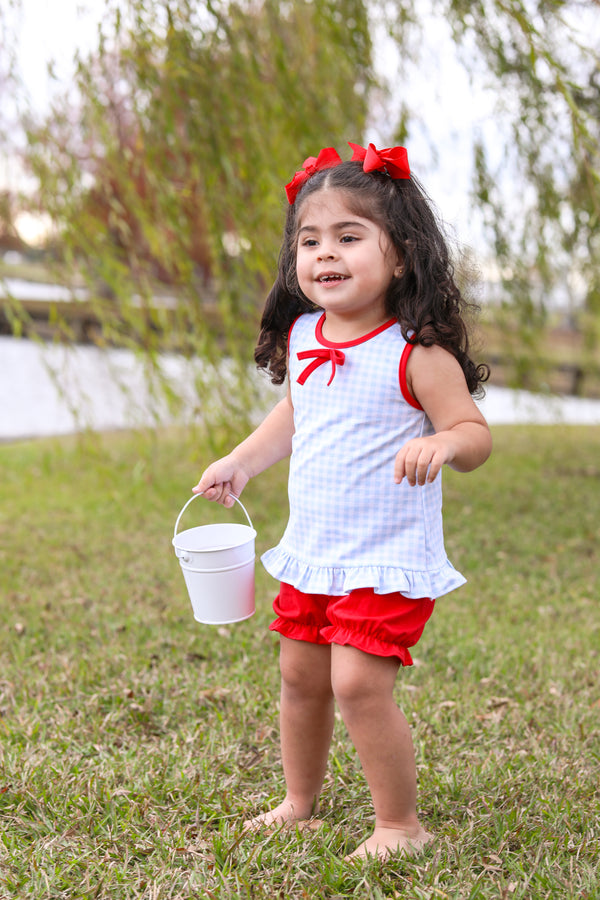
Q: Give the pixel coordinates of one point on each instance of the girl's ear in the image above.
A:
(399, 269)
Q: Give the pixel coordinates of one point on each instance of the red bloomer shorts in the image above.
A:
(381, 624)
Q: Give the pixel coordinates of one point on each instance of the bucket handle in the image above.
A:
(193, 497)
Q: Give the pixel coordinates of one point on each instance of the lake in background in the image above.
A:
(49, 389)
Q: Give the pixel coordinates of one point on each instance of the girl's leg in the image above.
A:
(306, 722)
(363, 686)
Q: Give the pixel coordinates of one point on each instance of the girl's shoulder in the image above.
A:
(305, 322)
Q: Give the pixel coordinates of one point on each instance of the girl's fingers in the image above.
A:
(223, 495)
(399, 468)
(217, 493)
(435, 467)
(418, 465)
(412, 466)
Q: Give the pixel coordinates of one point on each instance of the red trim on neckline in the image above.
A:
(361, 340)
(402, 376)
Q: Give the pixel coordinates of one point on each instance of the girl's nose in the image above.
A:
(326, 252)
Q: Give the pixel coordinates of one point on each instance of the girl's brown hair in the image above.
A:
(425, 299)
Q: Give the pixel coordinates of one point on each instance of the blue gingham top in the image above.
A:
(350, 525)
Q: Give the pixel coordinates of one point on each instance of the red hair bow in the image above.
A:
(393, 160)
(328, 158)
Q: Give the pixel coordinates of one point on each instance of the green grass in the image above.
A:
(133, 741)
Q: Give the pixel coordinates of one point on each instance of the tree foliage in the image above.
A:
(8, 237)
(536, 163)
(549, 67)
(190, 120)
(168, 167)
(166, 171)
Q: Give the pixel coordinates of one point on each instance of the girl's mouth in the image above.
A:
(324, 279)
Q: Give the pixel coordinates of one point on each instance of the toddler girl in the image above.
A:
(366, 320)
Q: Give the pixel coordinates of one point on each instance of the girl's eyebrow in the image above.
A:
(337, 226)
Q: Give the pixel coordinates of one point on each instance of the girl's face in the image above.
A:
(344, 262)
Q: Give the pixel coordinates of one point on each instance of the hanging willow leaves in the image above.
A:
(542, 200)
(165, 173)
(167, 176)
(536, 161)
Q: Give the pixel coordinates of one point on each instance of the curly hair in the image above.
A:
(425, 300)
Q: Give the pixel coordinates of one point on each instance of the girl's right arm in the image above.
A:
(268, 444)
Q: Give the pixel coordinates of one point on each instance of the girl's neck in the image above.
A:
(341, 329)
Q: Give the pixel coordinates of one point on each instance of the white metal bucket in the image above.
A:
(218, 567)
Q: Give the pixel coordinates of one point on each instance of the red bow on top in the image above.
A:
(320, 356)
(328, 158)
(393, 160)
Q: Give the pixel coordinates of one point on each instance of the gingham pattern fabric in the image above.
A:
(350, 525)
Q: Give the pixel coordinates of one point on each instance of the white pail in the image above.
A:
(218, 567)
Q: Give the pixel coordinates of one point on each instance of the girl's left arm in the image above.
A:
(462, 438)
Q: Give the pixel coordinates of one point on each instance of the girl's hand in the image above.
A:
(421, 459)
(462, 438)
(222, 479)
(268, 444)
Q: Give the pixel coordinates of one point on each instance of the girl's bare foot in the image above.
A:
(385, 842)
(285, 814)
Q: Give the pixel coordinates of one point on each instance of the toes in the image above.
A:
(268, 822)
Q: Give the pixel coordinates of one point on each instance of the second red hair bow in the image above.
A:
(393, 160)
(328, 158)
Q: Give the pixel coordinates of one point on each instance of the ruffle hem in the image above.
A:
(335, 582)
(336, 634)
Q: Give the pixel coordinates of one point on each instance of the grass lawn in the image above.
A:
(133, 741)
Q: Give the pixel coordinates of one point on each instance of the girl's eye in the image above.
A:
(309, 242)
(347, 238)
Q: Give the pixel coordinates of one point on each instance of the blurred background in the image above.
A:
(144, 146)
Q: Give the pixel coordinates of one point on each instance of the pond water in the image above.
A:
(47, 389)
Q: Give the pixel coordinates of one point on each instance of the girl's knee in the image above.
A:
(350, 690)
(297, 682)
(305, 669)
(360, 680)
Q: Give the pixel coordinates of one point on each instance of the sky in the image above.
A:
(448, 107)
(53, 30)
(46, 31)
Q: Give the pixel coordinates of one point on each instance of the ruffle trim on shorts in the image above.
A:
(368, 643)
(336, 634)
(298, 631)
(382, 579)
